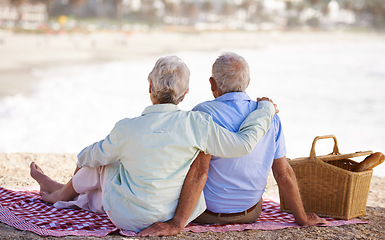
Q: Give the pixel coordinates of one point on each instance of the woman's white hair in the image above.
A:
(231, 73)
(169, 80)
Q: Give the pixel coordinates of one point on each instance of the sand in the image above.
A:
(21, 55)
(14, 174)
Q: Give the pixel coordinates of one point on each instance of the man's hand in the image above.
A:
(160, 229)
(288, 187)
(268, 99)
(191, 190)
(313, 219)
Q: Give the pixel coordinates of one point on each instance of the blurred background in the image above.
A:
(190, 15)
(70, 69)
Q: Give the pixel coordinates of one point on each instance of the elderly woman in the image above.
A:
(136, 173)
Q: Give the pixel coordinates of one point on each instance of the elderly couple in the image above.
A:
(148, 174)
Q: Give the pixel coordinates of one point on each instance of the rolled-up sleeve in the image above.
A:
(223, 143)
(101, 153)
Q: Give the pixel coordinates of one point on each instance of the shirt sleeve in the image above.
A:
(223, 143)
(101, 153)
(280, 145)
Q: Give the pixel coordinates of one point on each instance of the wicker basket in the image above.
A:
(327, 185)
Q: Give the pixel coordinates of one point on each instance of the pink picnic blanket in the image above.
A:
(25, 210)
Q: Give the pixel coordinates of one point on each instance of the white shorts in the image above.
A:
(89, 183)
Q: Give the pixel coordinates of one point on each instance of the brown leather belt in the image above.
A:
(231, 214)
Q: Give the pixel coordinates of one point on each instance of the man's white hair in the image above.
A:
(231, 73)
(169, 80)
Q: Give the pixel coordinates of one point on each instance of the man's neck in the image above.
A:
(218, 93)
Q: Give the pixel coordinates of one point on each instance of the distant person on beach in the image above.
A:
(136, 173)
(234, 187)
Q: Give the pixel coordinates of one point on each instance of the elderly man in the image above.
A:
(234, 187)
(136, 173)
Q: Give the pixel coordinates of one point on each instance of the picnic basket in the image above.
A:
(327, 185)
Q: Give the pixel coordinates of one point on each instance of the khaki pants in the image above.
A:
(223, 218)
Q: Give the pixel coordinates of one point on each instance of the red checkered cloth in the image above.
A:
(25, 210)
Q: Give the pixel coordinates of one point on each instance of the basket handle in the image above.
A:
(335, 149)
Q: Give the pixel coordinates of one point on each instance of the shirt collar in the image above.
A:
(233, 96)
(166, 107)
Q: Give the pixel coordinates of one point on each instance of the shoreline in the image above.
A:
(22, 54)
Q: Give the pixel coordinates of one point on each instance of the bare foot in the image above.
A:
(66, 193)
(47, 185)
(50, 197)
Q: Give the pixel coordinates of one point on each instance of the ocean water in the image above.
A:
(321, 88)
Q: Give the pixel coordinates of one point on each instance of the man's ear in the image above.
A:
(213, 84)
(149, 90)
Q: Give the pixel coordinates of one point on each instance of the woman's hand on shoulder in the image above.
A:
(270, 100)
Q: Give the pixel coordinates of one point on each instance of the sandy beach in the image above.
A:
(21, 55)
(16, 176)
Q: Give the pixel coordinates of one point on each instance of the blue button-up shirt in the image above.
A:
(152, 154)
(236, 184)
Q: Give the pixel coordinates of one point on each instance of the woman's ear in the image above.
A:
(184, 94)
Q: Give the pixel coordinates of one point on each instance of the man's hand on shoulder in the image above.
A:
(270, 100)
(161, 229)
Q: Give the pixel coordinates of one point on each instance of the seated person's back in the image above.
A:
(236, 184)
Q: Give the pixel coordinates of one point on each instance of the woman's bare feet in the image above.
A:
(47, 185)
(50, 197)
(50, 190)
(66, 193)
